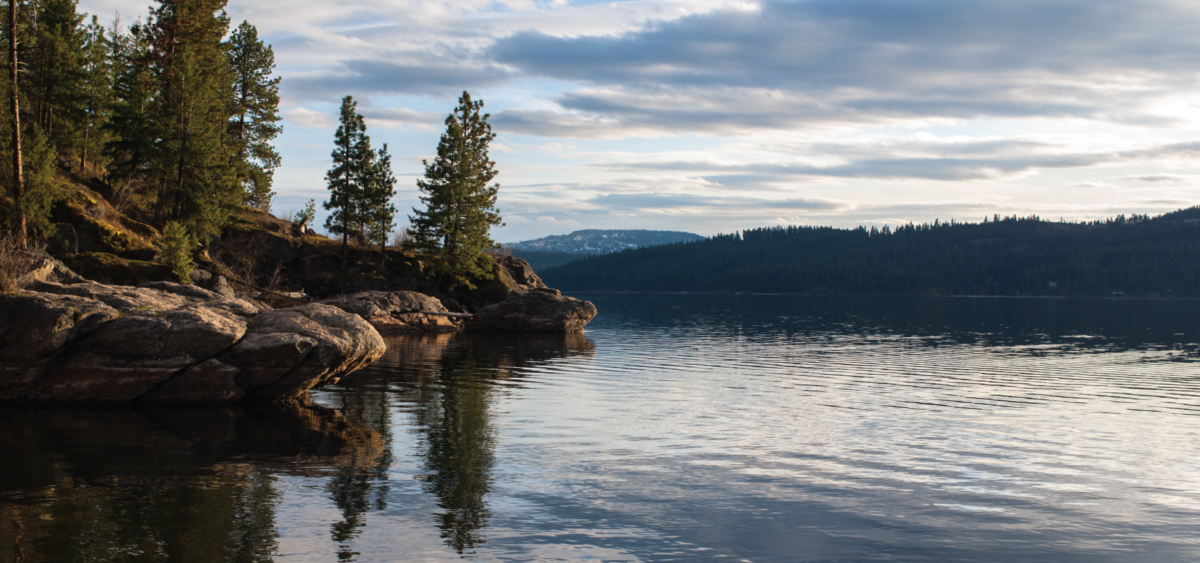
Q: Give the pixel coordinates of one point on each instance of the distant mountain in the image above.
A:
(548, 252)
(597, 241)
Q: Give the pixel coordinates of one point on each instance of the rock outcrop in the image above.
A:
(542, 310)
(90, 343)
(398, 311)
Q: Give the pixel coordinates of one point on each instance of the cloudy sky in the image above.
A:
(716, 115)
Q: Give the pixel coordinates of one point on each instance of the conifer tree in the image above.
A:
(16, 173)
(255, 114)
(54, 72)
(191, 167)
(96, 91)
(351, 148)
(131, 125)
(452, 231)
(379, 188)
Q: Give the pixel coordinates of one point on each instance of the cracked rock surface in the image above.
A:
(87, 343)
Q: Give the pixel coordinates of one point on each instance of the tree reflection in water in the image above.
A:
(459, 446)
(356, 489)
(447, 382)
(161, 484)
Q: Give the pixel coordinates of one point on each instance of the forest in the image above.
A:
(170, 117)
(1133, 255)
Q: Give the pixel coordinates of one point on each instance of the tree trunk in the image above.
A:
(87, 128)
(18, 175)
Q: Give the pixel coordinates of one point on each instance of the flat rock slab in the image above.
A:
(544, 310)
(93, 344)
(398, 311)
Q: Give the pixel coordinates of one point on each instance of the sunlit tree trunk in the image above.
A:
(18, 176)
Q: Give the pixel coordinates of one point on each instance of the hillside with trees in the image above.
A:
(1132, 256)
(144, 152)
(170, 120)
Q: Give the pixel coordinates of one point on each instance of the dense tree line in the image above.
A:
(173, 112)
(1136, 255)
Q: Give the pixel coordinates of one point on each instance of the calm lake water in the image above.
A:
(678, 428)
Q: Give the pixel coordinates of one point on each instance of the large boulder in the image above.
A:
(398, 311)
(90, 343)
(542, 310)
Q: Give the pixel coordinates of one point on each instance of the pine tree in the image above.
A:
(54, 72)
(96, 92)
(16, 174)
(131, 125)
(378, 190)
(190, 165)
(177, 251)
(460, 205)
(255, 114)
(351, 153)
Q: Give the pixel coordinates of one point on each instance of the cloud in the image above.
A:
(366, 77)
(672, 202)
(925, 168)
(309, 118)
(1160, 179)
(865, 61)
(399, 117)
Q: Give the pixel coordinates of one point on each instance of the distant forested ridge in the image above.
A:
(556, 250)
(1135, 256)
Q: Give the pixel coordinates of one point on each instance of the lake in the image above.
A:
(678, 428)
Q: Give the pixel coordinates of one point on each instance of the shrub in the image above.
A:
(177, 251)
(16, 261)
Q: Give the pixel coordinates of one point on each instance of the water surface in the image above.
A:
(678, 428)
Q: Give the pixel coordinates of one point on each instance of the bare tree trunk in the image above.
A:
(18, 175)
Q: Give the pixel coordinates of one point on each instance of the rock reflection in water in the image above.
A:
(449, 381)
(159, 485)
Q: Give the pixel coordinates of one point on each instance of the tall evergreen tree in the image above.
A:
(351, 150)
(131, 127)
(54, 72)
(255, 114)
(96, 91)
(191, 167)
(379, 188)
(460, 205)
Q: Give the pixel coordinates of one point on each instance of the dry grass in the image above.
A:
(15, 261)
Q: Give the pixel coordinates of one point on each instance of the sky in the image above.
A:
(713, 116)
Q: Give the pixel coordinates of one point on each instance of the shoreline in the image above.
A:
(757, 294)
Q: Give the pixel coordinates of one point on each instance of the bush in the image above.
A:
(177, 251)
(16, 261)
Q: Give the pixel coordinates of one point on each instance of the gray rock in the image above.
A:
(536, 311)
(129, 356)
(266, 357)
(200, 277)
(34, 327)
(120, 297)
(345, 343)
(209, 382)
(521, 272)
(184, 290)
(397, 311)
(221, 286)
(90, 343)
(48, 269)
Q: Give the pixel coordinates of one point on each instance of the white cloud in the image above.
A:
(309, 118)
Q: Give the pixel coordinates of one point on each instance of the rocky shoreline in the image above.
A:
(66, 340)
